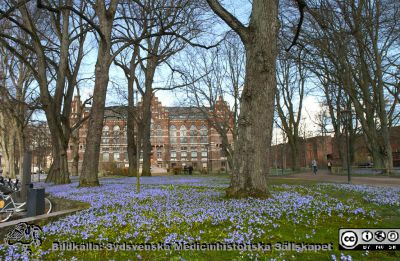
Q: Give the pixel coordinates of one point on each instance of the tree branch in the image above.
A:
(229, 19)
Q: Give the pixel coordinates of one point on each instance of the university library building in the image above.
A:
(180, 136)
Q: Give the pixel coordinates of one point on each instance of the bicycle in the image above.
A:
(8, 207)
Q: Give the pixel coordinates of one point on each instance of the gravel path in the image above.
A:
(324, 176)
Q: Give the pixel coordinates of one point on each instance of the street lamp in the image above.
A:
(347, 118)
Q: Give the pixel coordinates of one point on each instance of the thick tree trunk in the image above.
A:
(90, 165)
(59, 173)
(251, 159)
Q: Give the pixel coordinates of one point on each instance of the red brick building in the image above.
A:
(180, 136)
(323, 148)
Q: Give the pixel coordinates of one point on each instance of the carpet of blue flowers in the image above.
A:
(194, 209)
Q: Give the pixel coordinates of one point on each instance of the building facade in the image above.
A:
(324, 148)
(180, 136)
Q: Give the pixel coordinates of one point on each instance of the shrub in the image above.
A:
(112, 169)
(177, 170)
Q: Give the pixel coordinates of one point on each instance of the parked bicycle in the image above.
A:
(8, 207)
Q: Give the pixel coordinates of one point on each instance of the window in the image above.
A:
(158, 132)
(183, 134)
(116, 156)
(152, 134)
(172, 133)
(193, 134)
(106, 130)
(203, 134)
(159, 154)
(106, 156)
(183, 153)
(204, 152)
(116, 130)
(173, 154)
(193, 153)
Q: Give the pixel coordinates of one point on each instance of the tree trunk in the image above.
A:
(90, 165)
(59, 173)
(132, 149)
(21, 150)
(75, 153)
(251, 159)
(294, 147)
(146, 120)
(146, 132)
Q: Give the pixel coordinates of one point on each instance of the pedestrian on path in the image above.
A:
(314, 166)
(330, 166)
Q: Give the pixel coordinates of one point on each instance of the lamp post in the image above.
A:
(347, 119)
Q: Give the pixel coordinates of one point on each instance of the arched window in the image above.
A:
(172, 134)
(183, 134)
(116, 130)
(203, 134)
(193, 134)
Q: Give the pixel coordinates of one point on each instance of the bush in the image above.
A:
(177, 170)
(111, 169)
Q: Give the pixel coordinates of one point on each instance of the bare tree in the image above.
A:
(171, 26)
(57, 55)
(291, 75)
(216, 76)
(17, 102)
(359, 38)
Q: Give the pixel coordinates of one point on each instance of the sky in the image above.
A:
(241, 9)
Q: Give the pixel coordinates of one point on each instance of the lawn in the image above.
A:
(194, 210)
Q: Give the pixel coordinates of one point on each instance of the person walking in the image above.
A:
(330, 166)
(314, 166)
